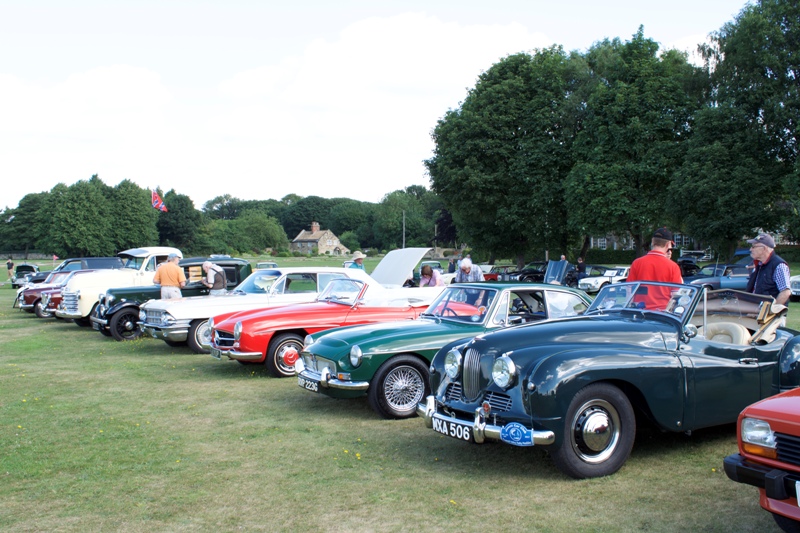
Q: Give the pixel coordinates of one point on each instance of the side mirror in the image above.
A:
(690, 331)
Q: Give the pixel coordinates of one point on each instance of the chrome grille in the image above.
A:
(453, 392)
(471, 374)
(498, 401)
(154, 316)
(69, 301)
(223, 339)
(788, 448)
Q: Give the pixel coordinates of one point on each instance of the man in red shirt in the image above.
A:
(657, 266)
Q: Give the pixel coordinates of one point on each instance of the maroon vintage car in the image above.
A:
(769, 456)
(50, 298)
(30, 299)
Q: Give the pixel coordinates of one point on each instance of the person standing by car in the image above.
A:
(467, 273)
(171, 278)
(430, 277)
(771, 273)
(10, 267)
(451, 266)
(656, 265)
(214, 279)
(358, 260)
(581, 268)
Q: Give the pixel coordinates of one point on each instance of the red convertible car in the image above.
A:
(275, 336)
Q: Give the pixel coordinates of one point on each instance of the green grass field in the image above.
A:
(97, 435)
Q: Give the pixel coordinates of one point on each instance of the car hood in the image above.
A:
(388, 337)
(602, 330)
(781, 407)
(208, 306)
(326, 314)
(398, 265)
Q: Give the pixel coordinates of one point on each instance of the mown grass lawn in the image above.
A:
(97, 435)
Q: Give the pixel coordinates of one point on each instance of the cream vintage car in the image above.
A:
(185, 320)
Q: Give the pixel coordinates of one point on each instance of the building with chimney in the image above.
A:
(317, 242)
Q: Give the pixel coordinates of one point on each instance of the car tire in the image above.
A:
(124, 325)
(39, 309)
(398, 386)
(786, 524)
(280, 359)
(604, 414)
(199, 339)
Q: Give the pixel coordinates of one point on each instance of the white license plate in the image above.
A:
(456, 430)
(216, 354)
(308, 384)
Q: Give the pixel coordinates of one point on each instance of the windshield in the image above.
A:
(343, 290)
(257, 283)
(676, 300)
(134, 262)
(465, 304)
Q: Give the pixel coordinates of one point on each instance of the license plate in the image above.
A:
(216, 354)
(457, 430)
(308, 384)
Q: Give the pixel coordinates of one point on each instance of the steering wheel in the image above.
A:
(447, 310)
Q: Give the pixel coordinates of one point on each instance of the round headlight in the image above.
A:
(110, 299)
(237, 331)
(308, 341)
(504, 371)
(755, 431)
(355, 355)
(452, 363)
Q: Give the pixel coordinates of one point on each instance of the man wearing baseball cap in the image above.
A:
(171, 277)
(657, 266)
(771, 273)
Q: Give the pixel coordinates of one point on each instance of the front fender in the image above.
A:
(654, 381)
(119, 306)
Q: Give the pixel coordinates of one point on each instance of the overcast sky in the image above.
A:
(260, 99)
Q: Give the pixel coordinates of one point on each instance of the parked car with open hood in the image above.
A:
(676, 355)
(389, 361)
(23, 273)
(186, 319)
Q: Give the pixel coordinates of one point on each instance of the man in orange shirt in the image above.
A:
(171, 278)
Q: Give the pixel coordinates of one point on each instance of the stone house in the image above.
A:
(317, 242)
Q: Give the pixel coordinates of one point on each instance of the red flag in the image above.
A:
(55, 257)
(158, 203)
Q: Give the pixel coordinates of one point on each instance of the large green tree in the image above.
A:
(638, 114)
(134, 219)
(501, 157)
(81, 221)
(180, 224)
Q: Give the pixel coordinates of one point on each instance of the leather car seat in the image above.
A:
(727, 332)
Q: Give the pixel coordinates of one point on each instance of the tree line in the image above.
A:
(90, 218)
(549, 148)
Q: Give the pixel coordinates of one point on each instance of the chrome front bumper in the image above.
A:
(326, 379)
(481, 431)
(177, 333)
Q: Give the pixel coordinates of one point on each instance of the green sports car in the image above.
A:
(389, 361)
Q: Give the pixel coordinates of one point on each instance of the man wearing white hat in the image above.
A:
(358, 260)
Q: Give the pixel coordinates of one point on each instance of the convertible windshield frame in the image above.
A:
(670, 299)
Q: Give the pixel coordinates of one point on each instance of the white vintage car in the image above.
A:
(185, 320)
(612, 275)
(794, 284)
(81, 294)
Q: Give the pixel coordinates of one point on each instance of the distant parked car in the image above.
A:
(730, 277)
(768, 434)
(80, 263)
(794, 283)
(499, 272)
(22, 274)
(593, 284)
(266, 264)
(533, 272)
(29, 297)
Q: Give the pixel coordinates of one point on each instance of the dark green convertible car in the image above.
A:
(389, 361)
(677, 356)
